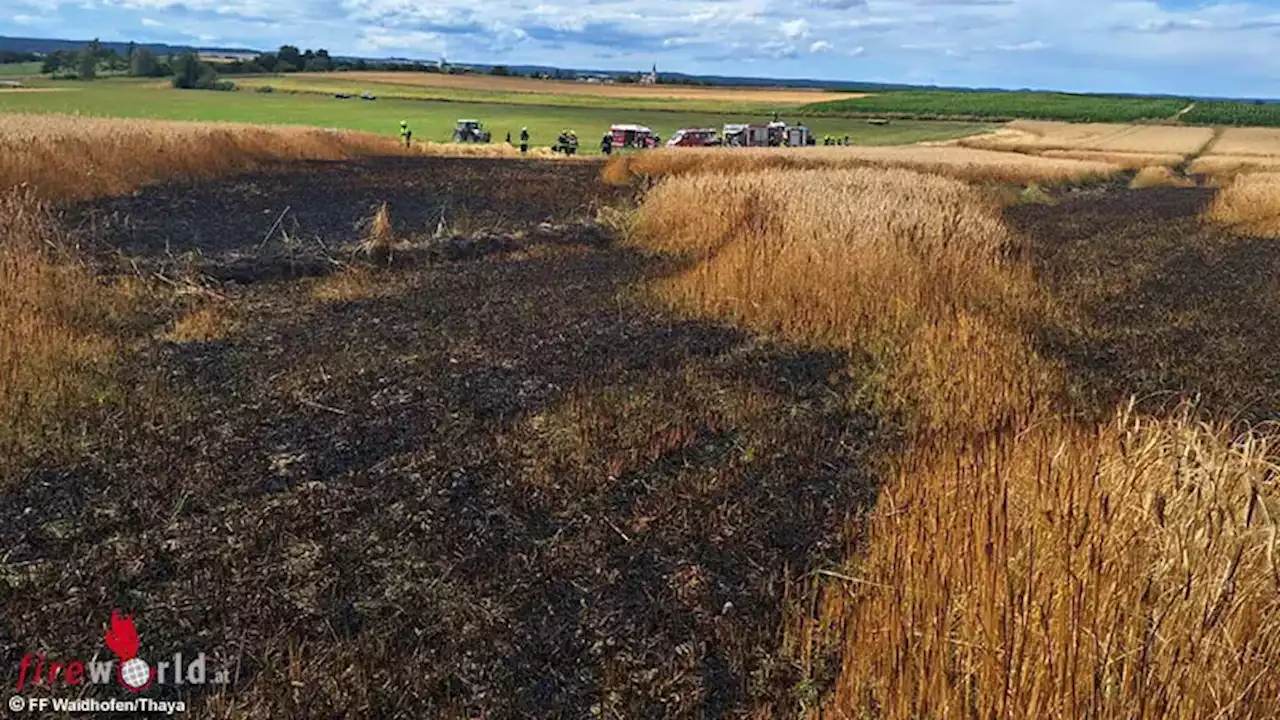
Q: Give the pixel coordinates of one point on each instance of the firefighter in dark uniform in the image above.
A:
(606, 144)
(524, 139)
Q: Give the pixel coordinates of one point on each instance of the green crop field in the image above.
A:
(430, 120)
(19, 69)
(1234, 113)
(1003, 106)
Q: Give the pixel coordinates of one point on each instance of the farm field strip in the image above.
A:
(1129, 160)
(1043, 135)
(958, 162)
(464, 95)
(1003, 106)
(520, 85)
(1227, 165)
(1247, 141)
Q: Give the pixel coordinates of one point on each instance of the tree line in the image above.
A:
(187, 70)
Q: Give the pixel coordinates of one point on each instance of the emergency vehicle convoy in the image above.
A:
(639, 137)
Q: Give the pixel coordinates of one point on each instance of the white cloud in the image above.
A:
(376, 40)
(795, 29)
(1113, 45)
(776, 50)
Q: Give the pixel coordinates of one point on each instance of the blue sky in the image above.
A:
(1168, 46)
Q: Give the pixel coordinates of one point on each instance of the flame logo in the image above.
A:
(121, 637)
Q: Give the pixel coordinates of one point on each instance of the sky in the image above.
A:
(1150, 46)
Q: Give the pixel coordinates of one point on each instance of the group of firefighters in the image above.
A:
(833, 140)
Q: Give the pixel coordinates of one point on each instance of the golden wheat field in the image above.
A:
(1226, 166)
(1130, 160)
(958, 162)
(617, 90)
(1247, 141)
(1250, 202)
(66, 156)
(1041, 135)
(1017, 563)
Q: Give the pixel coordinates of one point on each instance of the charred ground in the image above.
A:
(498, 483)
(1158, 302)
(494, 487)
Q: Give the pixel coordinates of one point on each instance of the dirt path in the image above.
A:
(498, 488)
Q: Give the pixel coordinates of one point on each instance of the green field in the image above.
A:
(1003, 106)
(1234, 113)
(430, 120)
(19, 69)
(396, 91)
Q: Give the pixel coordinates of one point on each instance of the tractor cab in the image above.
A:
(470, 131)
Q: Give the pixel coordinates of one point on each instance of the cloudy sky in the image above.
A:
(1163, 46)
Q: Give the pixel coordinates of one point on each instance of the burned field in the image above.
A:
(1158, 302)
(490, 483)
(488, 473)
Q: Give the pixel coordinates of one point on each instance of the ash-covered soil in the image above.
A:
(1160, 303)
(328, 203)
(498, 486)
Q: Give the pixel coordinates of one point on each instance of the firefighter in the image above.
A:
(524, 139)
(405, 133)
(606, 144)
(508, 137)
(846, 140)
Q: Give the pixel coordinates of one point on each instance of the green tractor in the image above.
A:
(470, 131)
